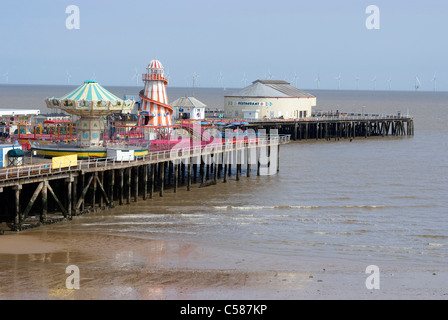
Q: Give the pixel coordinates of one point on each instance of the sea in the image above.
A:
(370, 201)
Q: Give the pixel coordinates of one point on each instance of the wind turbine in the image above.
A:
(374, 83)
(6, 75)
(244, 79)
(167, 75)
(417, 83)
(357, 83)
(269, 76)
(135, 76)
(195, 78)
(68, 77)
(338, 78)
(220, 77)
(295, 78)
(317, 81)
(93, 77)
(434, 80)
(389, 81)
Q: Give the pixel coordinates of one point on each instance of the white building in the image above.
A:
(50, 116)
(188, 108)
(269, 99)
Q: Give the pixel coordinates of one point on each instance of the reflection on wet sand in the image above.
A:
(117, 267)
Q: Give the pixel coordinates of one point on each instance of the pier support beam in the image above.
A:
(121, 191)
(189, 175)
(103, 192)
(225, 156)
(136, 169)
(129, 186)
(162, 177)
(238, 164)
(278, 157)
(145, 181)
(95, 178)
(43, 216)
(248, 162)
(32, 200)
(215, 170)
(18, 216)
(101, 183)
(152, 180)
(64, 212)
(69, 197)
(176, 177)
(74, 196)
(111, 188)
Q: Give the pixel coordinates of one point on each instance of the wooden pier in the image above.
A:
(340, 127)
(41, 194)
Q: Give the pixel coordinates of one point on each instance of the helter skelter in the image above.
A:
(155, 110)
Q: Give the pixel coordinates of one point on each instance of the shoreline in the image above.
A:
(122, 267)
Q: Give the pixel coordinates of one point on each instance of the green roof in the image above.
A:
(90, 91)
(15, 153)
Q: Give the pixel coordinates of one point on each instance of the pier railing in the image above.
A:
(30, 171)
(340, 117)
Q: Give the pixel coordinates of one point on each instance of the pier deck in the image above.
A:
(40, 194)
(339, 127)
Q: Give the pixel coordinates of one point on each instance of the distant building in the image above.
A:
(137, 100)
(188, 108)
(50, 116)
(215, 112)
(269, 99)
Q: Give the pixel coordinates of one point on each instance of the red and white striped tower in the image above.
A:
(154, 110)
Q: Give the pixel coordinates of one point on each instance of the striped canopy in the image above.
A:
(90, 91)
(90, 99)
(155, 64)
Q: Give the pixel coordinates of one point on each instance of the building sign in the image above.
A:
(254, 103)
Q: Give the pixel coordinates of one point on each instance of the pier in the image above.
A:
(339, 127)
(32, 195)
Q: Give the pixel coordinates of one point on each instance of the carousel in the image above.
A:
(91, 103)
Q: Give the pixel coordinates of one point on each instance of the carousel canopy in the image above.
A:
(90, 91)
(90, 99)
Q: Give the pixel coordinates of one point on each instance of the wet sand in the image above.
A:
(33, 266)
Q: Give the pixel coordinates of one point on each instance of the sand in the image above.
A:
(33, 266)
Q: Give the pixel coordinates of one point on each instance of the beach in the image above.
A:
(33, 266)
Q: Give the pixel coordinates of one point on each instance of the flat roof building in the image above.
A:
(269, 99)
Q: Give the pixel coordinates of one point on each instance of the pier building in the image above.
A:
(269, 99)
(188, 108)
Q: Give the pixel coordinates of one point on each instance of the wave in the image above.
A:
(433, 236)
(433, 244)
(289, 207)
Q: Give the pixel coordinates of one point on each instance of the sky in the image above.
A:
(227, 43)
